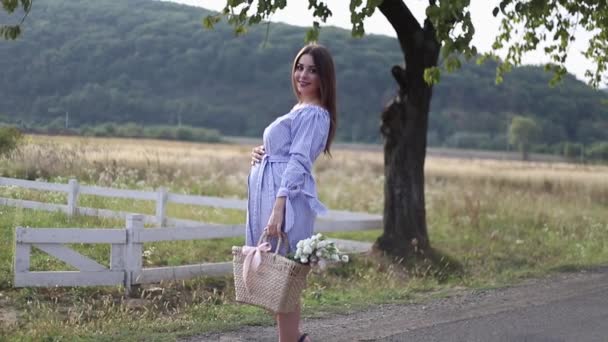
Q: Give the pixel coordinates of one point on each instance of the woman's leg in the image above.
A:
(289, 326)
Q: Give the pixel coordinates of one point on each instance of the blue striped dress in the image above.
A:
(292, 142)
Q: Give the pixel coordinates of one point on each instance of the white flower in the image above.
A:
(318, 250)
(307, 250)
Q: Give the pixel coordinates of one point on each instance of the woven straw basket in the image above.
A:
(275, 285)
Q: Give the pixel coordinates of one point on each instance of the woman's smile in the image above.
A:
(307, 79)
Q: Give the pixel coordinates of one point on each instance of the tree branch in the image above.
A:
(27, 11)
(395, 11)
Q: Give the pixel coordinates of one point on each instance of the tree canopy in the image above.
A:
(522, 133)
(525, 25)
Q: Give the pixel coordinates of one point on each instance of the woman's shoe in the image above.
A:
(303, 337)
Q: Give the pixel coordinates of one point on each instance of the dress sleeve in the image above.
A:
(309, 130)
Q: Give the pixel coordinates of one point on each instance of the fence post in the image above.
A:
(161, 204)
(133, 264)
(72, 197)
(22, 253)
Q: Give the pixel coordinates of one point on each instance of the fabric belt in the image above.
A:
(314, 203)
(257, 203)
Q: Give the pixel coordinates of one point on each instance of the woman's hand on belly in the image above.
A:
(257, 154)
(275, 222)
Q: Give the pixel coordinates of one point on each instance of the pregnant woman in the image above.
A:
(282, 193)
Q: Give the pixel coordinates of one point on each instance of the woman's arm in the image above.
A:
(275, 222)
(309, 130)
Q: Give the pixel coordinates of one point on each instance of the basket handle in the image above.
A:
(264, 238)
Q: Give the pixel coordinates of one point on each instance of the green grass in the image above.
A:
(492, 229)
(496, 243)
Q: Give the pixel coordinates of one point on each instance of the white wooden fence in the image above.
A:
(333, 221)
(127, 244)
(125, 255)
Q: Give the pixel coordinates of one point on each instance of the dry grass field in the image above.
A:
(501, 220)
(221, 169)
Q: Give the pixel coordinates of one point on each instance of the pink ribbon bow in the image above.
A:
(253, 258)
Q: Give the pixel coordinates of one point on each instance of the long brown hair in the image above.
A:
(324, 64)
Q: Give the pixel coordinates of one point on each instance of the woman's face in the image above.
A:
(307, 79)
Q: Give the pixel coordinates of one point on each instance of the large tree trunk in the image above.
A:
(404, 127)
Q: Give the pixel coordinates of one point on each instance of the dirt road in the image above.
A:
(565, 307)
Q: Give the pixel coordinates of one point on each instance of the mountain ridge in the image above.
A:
(151, 62)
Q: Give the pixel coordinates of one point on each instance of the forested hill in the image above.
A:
(152, 62)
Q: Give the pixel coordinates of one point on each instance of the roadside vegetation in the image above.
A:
(496, 222)
(131, 130)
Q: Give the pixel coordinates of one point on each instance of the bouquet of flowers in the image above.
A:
(317, 250)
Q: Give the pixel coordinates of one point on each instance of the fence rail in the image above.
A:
(127, 243)
(51, 240)
(126, 266)
(334, 220)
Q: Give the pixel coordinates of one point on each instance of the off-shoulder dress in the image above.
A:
(292, 143)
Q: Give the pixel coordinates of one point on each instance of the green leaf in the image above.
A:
(235, 3)
(312, 35)
(373, 3)
(26, 4)
(354, 4)
(240, 30)
(432, 75)
(10, 32)
(10, 5)
(503, 5)
(499, 79)
(453, 63)
(210, 21)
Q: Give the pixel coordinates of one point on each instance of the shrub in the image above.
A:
(573, 150)
(206, 135)
(108, 129)
(129, 130)
(598, 151)
(184, 133)
(160, 132)
(56, 125)
(10, 137)
(468, 140)
(541, 148)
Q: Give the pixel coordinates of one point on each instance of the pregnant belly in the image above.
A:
(253, 175)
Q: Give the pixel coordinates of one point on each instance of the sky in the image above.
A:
(486, 26)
